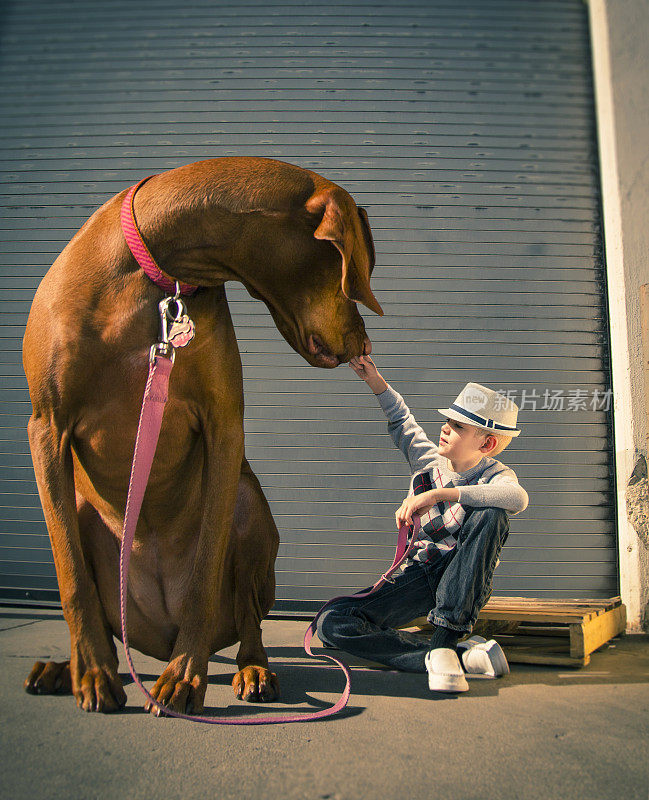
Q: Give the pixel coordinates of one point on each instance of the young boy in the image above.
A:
(463, 496)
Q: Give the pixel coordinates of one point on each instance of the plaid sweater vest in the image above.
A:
(441, 522)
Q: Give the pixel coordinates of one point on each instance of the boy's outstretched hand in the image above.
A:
(366, 369)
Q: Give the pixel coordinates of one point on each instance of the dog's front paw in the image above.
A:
(181, 687)
(96, 685)
(99, 689)
(255, 683)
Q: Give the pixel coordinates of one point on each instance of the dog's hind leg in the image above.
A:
(256, 541)
(49, 677)
(94, 680)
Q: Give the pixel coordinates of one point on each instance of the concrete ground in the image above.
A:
(540, 732)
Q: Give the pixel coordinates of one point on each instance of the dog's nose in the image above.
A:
(367, 346)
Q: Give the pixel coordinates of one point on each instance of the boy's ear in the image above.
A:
(489, 438)
(486, 434)
(341, 225)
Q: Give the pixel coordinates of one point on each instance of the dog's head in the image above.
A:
(337, 332)
(296, 241)
(328, 258)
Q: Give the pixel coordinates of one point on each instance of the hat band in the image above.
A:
(484, 422)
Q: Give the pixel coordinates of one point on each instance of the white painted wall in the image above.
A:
(619, 35)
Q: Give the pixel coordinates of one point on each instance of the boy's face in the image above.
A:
(460, 442)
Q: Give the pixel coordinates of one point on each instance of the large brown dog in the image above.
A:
(202, 568)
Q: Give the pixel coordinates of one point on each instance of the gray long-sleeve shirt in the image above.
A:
(489, 483)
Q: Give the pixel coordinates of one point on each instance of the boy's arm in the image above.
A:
(408, 436)
(420, 503)
(502, 491)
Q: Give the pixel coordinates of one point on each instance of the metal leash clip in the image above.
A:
(176, 327)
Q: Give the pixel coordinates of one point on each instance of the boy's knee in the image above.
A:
(488, 520)
(327, 626)
(319, 624)
(338, 623)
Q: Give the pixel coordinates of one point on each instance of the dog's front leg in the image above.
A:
(182, 685)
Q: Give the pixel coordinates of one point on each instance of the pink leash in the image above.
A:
(155, 396)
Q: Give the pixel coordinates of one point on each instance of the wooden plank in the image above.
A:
(541, 616)
(526, 602)
(609, 602)
(516, 655)
(541, 608)
(616, 600)
(419, 622)
(542, 604)
(584, 639)
(533, 616)
(539, 630)
(547, 644)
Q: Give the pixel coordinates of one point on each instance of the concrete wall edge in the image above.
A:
(629, 546)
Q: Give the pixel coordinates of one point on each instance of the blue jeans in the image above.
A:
(450, 588)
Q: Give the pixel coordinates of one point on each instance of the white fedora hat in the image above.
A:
(483, 408)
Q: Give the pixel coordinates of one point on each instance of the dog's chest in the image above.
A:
(159, 578)
(103, 442)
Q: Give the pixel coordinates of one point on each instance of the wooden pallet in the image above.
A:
(540, 631)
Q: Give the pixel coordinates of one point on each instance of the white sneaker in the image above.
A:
(445, 672)
(483, 658)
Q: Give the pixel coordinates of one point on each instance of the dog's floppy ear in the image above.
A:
(367, 235)
(344, 226)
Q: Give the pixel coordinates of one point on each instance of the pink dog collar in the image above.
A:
(141, 252)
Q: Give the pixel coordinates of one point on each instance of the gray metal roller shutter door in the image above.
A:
(467, 131)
